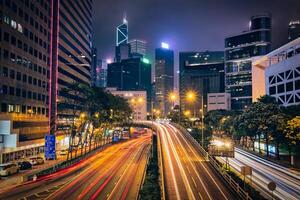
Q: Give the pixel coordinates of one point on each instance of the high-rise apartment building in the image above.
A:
(138, 48)
(239, 51)
(294, 30)
(201, 73)
(45, 46)
(164, 77)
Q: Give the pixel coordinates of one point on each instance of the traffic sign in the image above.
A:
(50, 151)
(272, 186)
(246, 170)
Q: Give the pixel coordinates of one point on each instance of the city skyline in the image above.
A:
(232, 19)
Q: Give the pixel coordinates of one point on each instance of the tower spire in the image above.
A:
(125, 18)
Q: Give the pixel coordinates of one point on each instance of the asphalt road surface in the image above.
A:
(187, 174)
(113, 173)
(287, 181)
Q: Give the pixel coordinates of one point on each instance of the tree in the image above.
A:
(292, 130)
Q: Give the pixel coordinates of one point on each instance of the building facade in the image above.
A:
(164, 78)
(202, 73)
(45, 46)
(294, 30)
(71, 56)
(25, 40)
(239, 51)
(132, 74)
(138, 48)
(137, 101)
(218, 101)
(278, 74)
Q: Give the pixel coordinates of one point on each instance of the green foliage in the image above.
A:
(151, 187)
(265, 118)
(292, 130)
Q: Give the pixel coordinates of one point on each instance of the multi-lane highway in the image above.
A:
(187, 174)
(287, 181)
(114, 173)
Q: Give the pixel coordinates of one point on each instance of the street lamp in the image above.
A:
(191, 98)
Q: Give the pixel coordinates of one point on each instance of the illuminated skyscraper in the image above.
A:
(164, 77)
(138, 48)
(122, 46)
(122, 33)
(239, 51)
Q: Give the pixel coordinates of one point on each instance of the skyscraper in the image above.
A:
(122, 46)
(122, 33)
(71, 55)
(294, 30)
(164, 77)
(24, 67)
(46, 47)
(202, 73)
(131, 75)
(138, 48)
(239, 51)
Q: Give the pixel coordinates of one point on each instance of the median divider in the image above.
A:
(150, 125)
(231, 182)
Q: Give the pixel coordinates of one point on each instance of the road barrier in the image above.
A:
(231, 182)
(150, 124)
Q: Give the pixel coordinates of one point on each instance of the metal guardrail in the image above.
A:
(232, 183)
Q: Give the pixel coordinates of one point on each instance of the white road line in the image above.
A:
(197, 156)
(169, 160)
(182, 171)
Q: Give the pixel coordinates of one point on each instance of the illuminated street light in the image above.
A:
(187, 113)
(140, 100)
(191, 96)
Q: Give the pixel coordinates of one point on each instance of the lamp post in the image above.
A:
(191, 98)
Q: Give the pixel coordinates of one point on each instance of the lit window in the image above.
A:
(20, 29)
(13, 24)
(10, 108)
(6, 19)
(17, 108)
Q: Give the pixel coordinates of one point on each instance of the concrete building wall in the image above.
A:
(137, 101)
(218, 101)
(280, 72)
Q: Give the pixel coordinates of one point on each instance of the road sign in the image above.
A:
(246, 170)
(272, 186)
(50, 152)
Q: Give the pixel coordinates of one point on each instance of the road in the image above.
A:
(287, 181)
(187, 174)
(113, 173)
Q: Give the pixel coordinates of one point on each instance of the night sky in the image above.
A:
(186, 24)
